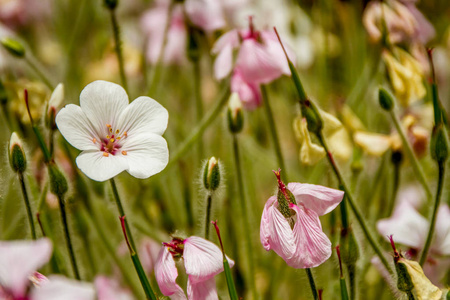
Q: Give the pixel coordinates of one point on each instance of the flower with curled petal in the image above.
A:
(114, 135)
(290, 223)
(202, 260)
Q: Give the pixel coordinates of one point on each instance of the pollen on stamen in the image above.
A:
(108, 137)
(112, 140)
(125, 134)
(108, 125)
(117, 131)
(105, 154)
(119, 137)
(110, 129)
(94, 140)
(124, 152)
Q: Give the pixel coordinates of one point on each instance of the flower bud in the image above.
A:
(439, 144)
(55, 101)
(58, 182)
(17, 156)
(211, 174)
(312, 116)
(349, 247)
(385, 99)
(111, 4)
(284, 197)
(235, 114)
(14, 47)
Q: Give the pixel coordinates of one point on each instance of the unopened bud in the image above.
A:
(17, 156)
(58, 182)
(284, 197)
(439, 144)
(312, 116)
(111, 4)
(55, 101)
(211, 174)
(385, 99)
(349, 247)
(235, 114)
(14, 47)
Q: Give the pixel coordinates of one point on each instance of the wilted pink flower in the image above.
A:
(19, 260)
(202, 260)
(260, 58)
(410, 228)
(109, 289)
(298, 238)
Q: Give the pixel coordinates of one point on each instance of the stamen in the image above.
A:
(117, 131)
(118, 138)
(112, 140)
(124, 152)
(94, 140)
(125, 134)
(110, 129)
(105, 154)
(108, 137)
(108, 125)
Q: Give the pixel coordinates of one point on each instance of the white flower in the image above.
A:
(115, 135)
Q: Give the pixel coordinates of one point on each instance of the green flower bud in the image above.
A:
(312, 116)
(211, 174)
(111, 4)
(17, 156)
(439, 144)
(349, 247)
(386, 100)
(14, 47)
(404, 282)
(235, 114)
(284, 197)
(58, 182)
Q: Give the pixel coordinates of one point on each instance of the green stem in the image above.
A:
(208, 215)
(395, 187)
(51, 141)
(200, 128)
(118, 48)
(39, 73)
(132, 246)
(437, 201)
(198, 102)
(312, 283)
(273, 130)
(246, 221)
(73, 261)
(373, 243)
(412, 157)
(27, 205)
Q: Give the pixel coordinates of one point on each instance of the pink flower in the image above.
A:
(410, 228)
(109, 289)
(206, 14)
(249, 93)
(19, 260)
(260, 58)
(202, 260)
(58, 287)
(292, 228)
(148, 252)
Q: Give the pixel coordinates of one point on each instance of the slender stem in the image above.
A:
(246, 221)
(412, 157)
(273, 130)
(394, 188)
(200, 128)
(198, 102)
(39, 73)
(373, 243)
(132, 246)
(118, 48)
(51, 141)
(312, 283)
(437, 201)
(73, 261)
(27, 205)
(208, 215)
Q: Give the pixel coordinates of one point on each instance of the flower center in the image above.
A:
(112, 142)
(175, 247)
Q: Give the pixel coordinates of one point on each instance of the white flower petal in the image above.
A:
(103, 102)
(100, 168)
(205, 290)
(59, 287)
(166, 274)
(441, 242)
(76, 128)
(202, 259)
(143, 115)
(19, 260)
(147, 154)
(57, 96)
(223, 63)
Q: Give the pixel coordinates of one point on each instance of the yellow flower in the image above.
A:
(405, 75)
(423, 288)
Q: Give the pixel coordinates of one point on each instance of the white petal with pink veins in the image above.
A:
(166, 274)
(319, 198)
(223, 63)
(205, 290)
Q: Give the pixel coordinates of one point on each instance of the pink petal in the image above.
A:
(266, 220)
(312, 245)
(166, 274)
(109, 289)
(316, 197)
(59, 287)
(408, 227)
(229, 39)
(202, 259)
(223, 63)
(274, 47)
(441, 243)
(206, 14)
(249, 93)
(257, 62)
(19, 260)
(149, 252)
(205, 290)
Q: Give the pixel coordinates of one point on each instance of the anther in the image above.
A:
(108, 137)
(111, 140)
(110, 129)
(108, 125)
(117, 131)
(105, 154)
(94, 140)
(124, 152)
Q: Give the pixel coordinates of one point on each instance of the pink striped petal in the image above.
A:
(316, 197)
(312, 245)
(266, 220)
(249, 93)
(223, 63)
(202, 259)
(166, 274)
(205, 290)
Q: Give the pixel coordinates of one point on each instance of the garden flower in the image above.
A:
(249, 93)
(290, 223)
(410, 228)
(202, 260)
(113, 135)
(109, 289)
(58, 287)
(19, 260)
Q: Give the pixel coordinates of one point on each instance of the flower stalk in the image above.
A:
(27, 205)
(344, 293)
